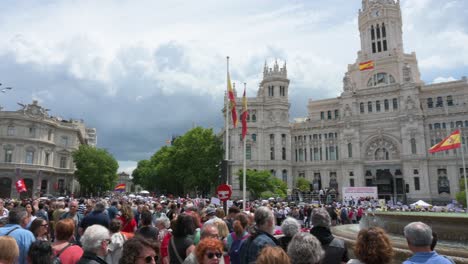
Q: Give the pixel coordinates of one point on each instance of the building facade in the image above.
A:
(376, 133)
(37, 147)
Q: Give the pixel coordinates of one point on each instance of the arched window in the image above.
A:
(413, 146)
(377, 106)
(369, 107)
(386, 104)
(395, 104)
(29, 156)
(285, 176)
(273, 172)
(361, 107)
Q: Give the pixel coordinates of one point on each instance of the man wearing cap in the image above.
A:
(211, 215)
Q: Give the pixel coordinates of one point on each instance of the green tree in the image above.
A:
(190, 164)
(261, 184)
(96, 169)
(303, 185)
(461, 195)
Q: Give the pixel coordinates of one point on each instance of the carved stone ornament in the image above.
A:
(407, 75)
(381, 148)
(347, 83)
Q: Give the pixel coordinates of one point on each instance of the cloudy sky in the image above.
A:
(141, 71)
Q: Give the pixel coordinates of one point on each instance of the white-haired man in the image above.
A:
(419, 238)
(94, 241)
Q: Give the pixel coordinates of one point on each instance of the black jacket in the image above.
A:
(335, 249)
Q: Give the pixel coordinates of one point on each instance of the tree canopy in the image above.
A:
(96, 169)
(303, 185)
(189, 164)
(262, 184)
(461, 195)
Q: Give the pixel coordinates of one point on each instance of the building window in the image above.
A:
(430, 103)
(322, 115)
(329, 115)
(248, 152)
(301, 155)
(11, 131)
(283, 153)
(449, 100)
(439, 102)
(283, 139)
(361, 108)
(413, 146)
(415, 172)
(377, 106)
(254, 118)
(350, 150)
(8, 155)
(271, 91)
(32, 132)
(63, 162)
(351, 174)
(65, 141)
(282, 91)
(49, 134)
(46, 159)
(417, 186)
(272, 139)
(272, 153)
(351, 182)
(285, 175)
(459, 124)
(61, 185)
(29, 157)
(395, 104)
(296, 155)
(369, 107)
(254, 137)
(337, 114)
(273, 173)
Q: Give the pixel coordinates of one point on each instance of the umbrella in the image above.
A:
(131, 195)
(144, 192)
(421, 203)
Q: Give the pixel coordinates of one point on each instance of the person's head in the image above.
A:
(418, 235)
(146, 218)
(19, 216)
(264, 219)
(138, 250)
(290, 227)
(184, 226)
(100, 206)
(209, 251)
(64, 229)
(73, 207)
(272, 255)
(29, 208)
(373, 246)
(162, 223)
(233, 211)
(115, 225)
(209, 231)
(305, 248)
(321, 218)
(223, 229)
(40, 252)
(39, 227)
(220, 213)
(127, 212)
(210, 212)
(95, 239)
(9, 250)
(241, 222)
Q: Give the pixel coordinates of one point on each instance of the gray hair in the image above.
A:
(93, 237)
(16, 215)
(290, 227)
(418, 234)
(163, 221)
(100, 206)
(305, 248)
(320, 217)
(204, 231)
(262, 215)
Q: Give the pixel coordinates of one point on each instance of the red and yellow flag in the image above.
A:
(367, 65)
(244, 115)
(450, 142)
(232, 102)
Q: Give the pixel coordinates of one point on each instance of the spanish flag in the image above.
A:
(120, 187)
(232, 101)
(367, 65)
(244, 115)
(450, 142)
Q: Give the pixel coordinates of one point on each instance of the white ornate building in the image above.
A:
(376, 133)
(37, 147)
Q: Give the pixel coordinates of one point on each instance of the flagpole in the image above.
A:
(244, 170)
(226, 156)
(464, 168)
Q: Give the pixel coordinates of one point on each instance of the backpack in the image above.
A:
(56, 259)
(234, 251)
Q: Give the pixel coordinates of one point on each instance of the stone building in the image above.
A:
(37, 147)
(376, 133)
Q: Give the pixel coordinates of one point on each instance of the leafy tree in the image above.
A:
(261, 184)
(188, 165)
(461, 195)
(303, 185)
(96, 169)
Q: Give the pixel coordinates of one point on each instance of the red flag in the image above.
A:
(244, 115)
(20, 186)
(450, 142)
(232, 101)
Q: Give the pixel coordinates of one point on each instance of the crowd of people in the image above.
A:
(185, 231)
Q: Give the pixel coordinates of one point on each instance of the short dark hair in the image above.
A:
(115, 225)
(40, 252)
(146, 218)
(17, 214)
(185, 225)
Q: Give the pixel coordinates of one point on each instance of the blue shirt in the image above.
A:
(427, 257)
(24, 238)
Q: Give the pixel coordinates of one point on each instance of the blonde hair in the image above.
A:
(223, 230)
(273, 255)
(9, 250)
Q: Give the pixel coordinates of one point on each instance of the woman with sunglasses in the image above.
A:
(40, 228)
(139, 251)
(209, 251)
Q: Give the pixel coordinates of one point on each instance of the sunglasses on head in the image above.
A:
(148, 259)
(211, 255)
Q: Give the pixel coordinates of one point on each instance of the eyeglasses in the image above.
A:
(148, 259)
(211, 255)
